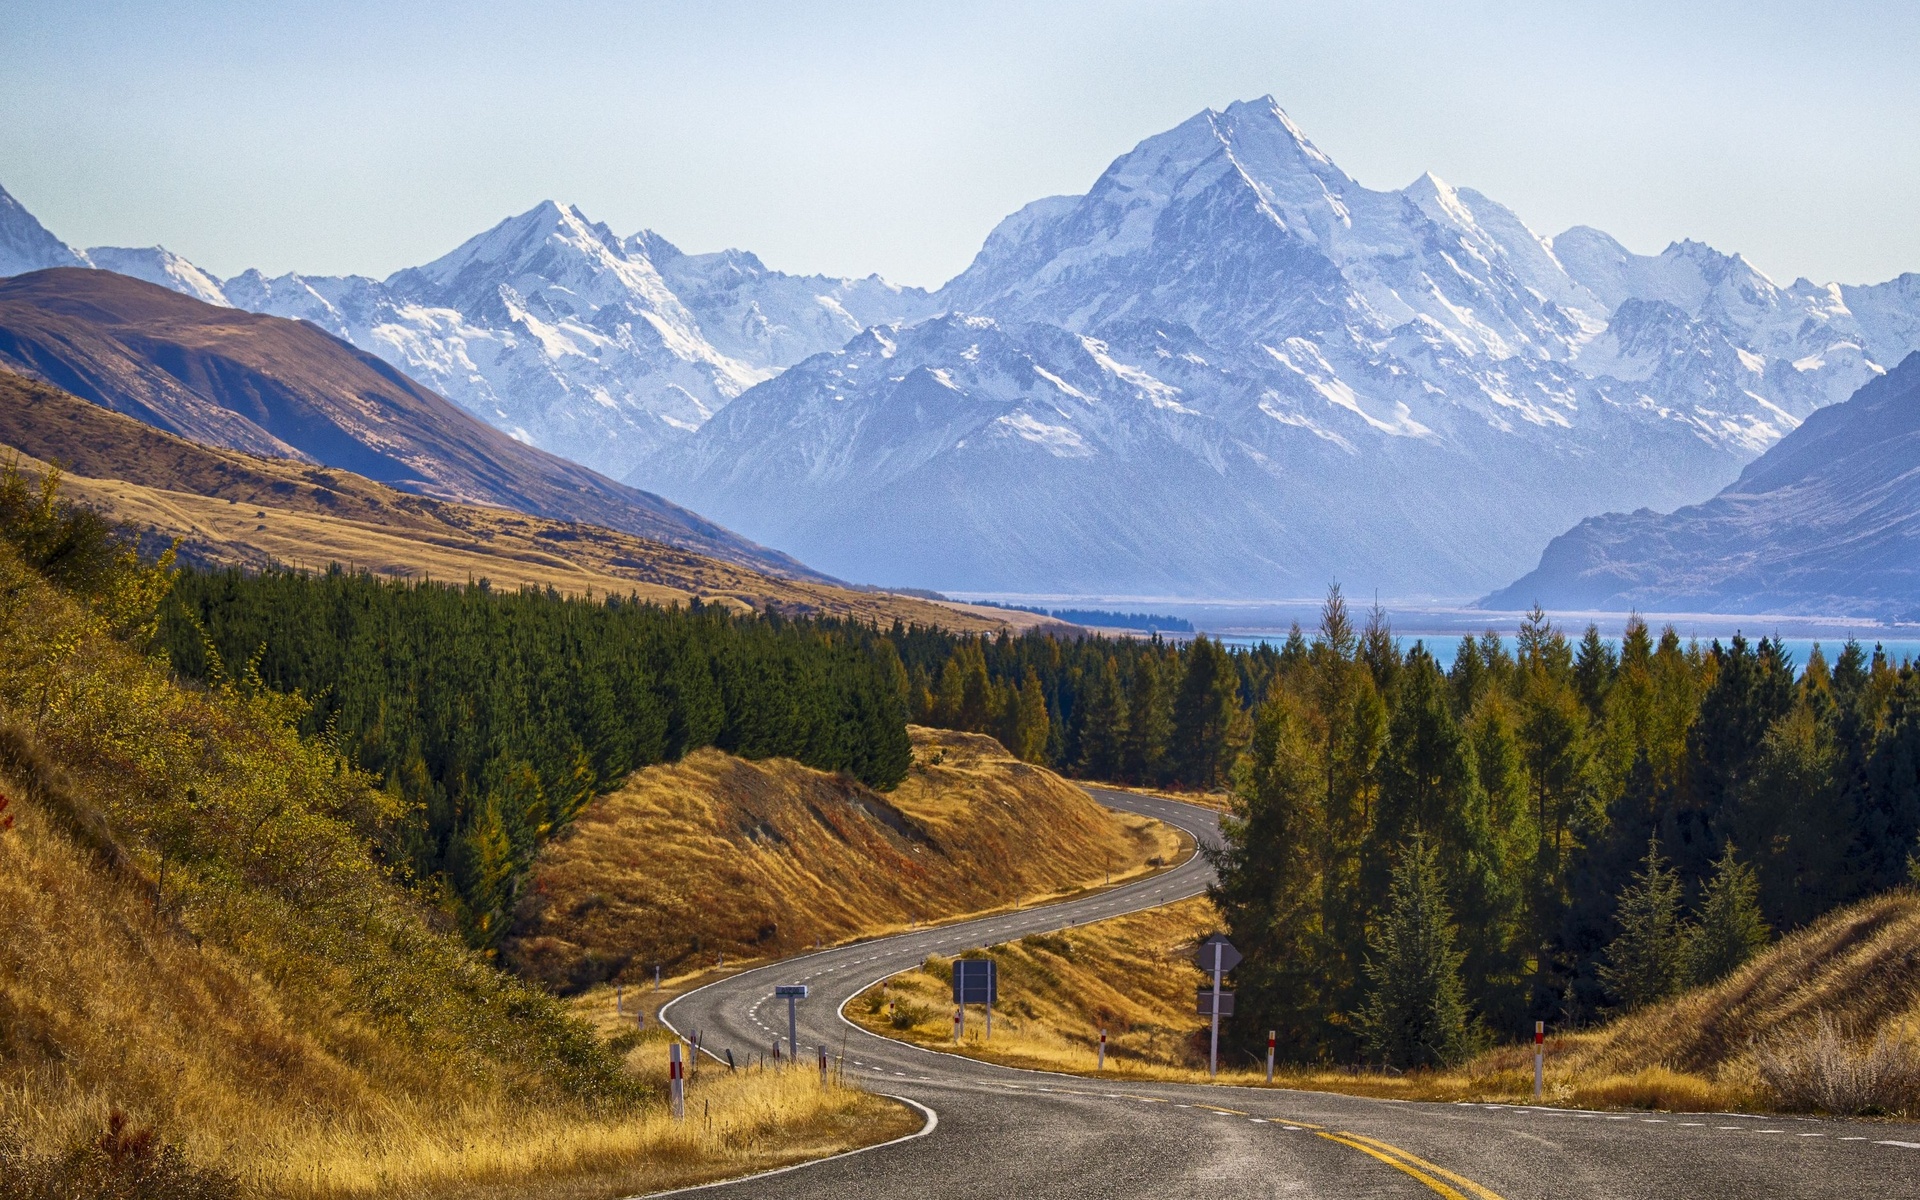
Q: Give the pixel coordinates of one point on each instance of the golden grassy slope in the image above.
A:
(716, 855)
(1857, 972)
(235, 508)
(195, 933)
(1130, 975)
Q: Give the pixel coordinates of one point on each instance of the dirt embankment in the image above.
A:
(716, 855)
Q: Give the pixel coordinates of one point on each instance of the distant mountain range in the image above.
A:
(1826, 522)
(269, 386)
(1228, 369)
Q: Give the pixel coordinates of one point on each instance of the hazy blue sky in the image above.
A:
(890, 137)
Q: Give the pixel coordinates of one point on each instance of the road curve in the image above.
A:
(1036, 1135)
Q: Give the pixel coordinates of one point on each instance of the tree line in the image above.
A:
(492, 717)
(1424, 855)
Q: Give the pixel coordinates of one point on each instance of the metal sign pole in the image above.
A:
(793, 1028)
(1213, 1045)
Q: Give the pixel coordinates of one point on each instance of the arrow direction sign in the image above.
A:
(1203, 954)
(1216, 956)
(791, 992)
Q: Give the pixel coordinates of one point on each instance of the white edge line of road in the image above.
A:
(928, 1126)
(933, 1118)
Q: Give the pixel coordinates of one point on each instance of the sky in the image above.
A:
(852, 138)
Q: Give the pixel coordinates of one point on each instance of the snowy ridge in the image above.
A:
(1227, 367)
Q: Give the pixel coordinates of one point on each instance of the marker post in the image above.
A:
(1269, 1056)
(676, 1082)
(1103, 1049)
(959, 1021)
(1539, 1060)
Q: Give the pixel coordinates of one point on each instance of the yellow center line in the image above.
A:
(1232, 1112)
(1416, 1160)
(1397, 1165)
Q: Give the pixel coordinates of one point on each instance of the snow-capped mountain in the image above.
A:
(1826, 522)
(1229, 368)
(1305, 378)
(547, 326)
(598, 348)
(26, 245)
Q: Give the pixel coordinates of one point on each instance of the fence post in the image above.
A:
(823, 1066)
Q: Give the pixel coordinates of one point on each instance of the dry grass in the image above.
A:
(240, 509)
(1824, 1021)
(716, 856)
(263, 1000)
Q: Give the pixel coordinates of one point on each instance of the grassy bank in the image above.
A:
(1824, 1021)
(715, 855)
(209, 987)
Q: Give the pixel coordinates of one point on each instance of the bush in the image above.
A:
(1831, 1072)
(907, 1014)
(123, 1163)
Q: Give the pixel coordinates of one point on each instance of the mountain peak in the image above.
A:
(27, 245)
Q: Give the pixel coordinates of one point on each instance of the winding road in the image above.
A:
(999, 1131)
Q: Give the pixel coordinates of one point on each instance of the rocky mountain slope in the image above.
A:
(548, 326)
(1231, 369)
(286, 389)
(1827, 521)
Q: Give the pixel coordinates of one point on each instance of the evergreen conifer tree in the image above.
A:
(1646, 963)
(1203, 713)
(1729, 929)
(1416, 1009)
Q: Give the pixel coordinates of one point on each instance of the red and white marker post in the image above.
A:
(1269, 1056)
(1539, 1060)
(959, 1021)
(1103, 1050)
(677, 1083)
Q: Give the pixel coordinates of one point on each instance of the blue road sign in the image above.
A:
(975, 981)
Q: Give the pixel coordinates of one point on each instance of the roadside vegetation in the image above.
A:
(212, 985)
(1827, 1021)
(717, 857)
(1547, 828)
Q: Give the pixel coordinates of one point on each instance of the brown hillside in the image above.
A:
(717, 855)
(240, 509)
(1859, 968)
(271, 386)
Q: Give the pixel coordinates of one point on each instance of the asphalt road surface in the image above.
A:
(1036, 1135)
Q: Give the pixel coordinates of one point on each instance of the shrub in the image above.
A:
(1832, 1072)
(124, 1162)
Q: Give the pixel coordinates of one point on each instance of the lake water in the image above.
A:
(1443, 646)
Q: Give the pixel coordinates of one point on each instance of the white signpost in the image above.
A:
(676, 1083)
(1216, 956)
(1539, 1059)
(791, 992)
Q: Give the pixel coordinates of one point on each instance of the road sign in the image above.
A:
(975, 981)
(791, 992)
(1203, 955)
(1203, 1004)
